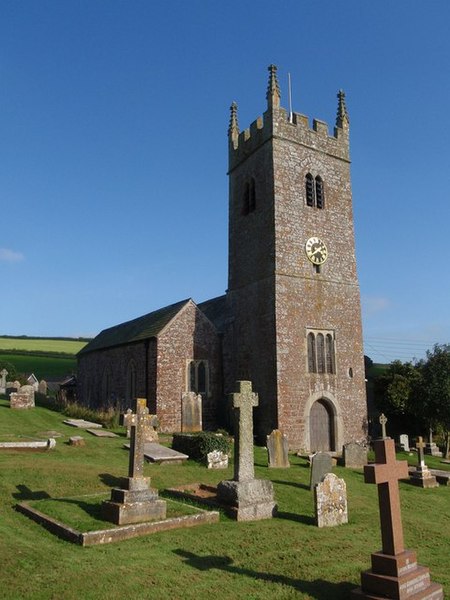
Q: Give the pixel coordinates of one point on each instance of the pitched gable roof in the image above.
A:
(216, 311)
(139, 329)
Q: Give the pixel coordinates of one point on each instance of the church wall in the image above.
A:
(190, 336)
(102, 375)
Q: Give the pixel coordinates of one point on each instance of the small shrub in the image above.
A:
(198, 445)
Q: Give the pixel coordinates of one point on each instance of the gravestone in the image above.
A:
(354, 455)
(422, 476)
(395, 573)
(150, 433)
(135, 501)
(252, 499)
(21, 400)
(330, 501)
(217, 460)
(3, 374)
(321, 464)
(50, 444)
(76, 440)
(42, 389)
(431, 447)
(383, 420)
(404, 442)
(191, 412)
(33, 382)
(278, 450)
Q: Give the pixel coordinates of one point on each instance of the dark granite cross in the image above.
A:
(386, 473)
(383, 421)
(138, 422)
(420, 445)
(244, 400)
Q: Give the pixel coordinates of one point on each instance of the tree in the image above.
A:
(394, 388)
(433, 390)
(12, 372)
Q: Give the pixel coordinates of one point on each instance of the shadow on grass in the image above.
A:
(25, 493)
(295, 517)
(318, 589)
(92, 509)
(292, 484)
(111, 480)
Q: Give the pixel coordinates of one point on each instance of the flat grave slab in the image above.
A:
(82, 424)
(160, 454)
(29, 446)
(102, 433)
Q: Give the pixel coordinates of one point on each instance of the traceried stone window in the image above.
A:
(321, 351)
(198, 377)
(249, 199)
(314, 191)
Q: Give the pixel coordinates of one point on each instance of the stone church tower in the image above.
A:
(293, 293)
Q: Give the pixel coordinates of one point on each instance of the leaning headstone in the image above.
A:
(217, 460)
(330, 501)
(354, 455)
(321, 464)
(395, 573)
(135, 501)
(191, 412)
(277, 449)
(422, 476)
(251, 499)
(21, 400)
(404, 442)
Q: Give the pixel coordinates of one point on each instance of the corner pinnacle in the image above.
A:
(342, 120)
(273, 90)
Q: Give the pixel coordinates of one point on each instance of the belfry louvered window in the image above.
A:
(320, 196)
(249, 199)
(310, 196)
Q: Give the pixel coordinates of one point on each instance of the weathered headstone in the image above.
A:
(252, 499)
(330, 501)
(191, 412)
(422, 476)
(217, 460)
(278, 450)
(354, 455)
(321, 464)
(383, 420)
(42, 389)
(431, 447)
(21, 400)
(3, 374)
(395, 573)
(135, 501)
(404, 442)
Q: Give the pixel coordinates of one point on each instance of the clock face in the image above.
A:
(316, 251)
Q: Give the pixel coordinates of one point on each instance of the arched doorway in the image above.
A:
(321, 427)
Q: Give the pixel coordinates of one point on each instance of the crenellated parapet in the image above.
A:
(275, 123)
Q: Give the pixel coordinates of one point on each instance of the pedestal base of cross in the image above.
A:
(395, 573)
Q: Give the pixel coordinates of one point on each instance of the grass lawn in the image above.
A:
(41, 345)
(50, 368)
(286, 557)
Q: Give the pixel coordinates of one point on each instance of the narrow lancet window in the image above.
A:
(312, 367)
(320, 196)
(320, 345)
(309, 182)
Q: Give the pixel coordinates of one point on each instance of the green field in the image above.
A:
(283, 558)
(48, 358)
(41, 345)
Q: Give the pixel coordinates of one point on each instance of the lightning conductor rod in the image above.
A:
(291, 118)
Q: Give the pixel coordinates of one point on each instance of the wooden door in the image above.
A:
(321, 428)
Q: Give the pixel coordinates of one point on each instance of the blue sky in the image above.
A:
(113, 152)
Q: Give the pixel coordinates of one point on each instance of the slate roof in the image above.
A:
(216, 311)
(139, 329)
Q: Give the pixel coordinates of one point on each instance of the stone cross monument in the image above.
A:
(383, 420)
(135, 501)
(395, 573)
(250, 499)
(422, 476)
(3, 374)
